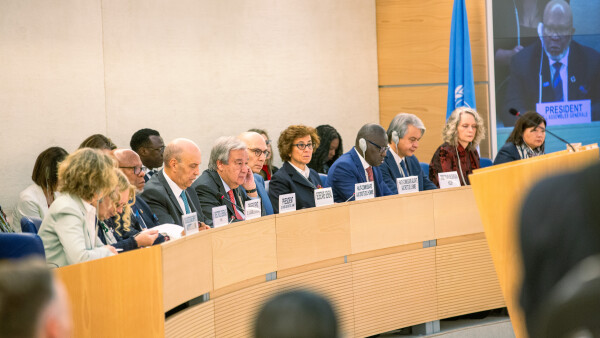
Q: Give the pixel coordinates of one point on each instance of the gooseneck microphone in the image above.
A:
(516, 113)
(230, 201)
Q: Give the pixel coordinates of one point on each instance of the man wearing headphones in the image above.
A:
(404, 134)
(360, 164)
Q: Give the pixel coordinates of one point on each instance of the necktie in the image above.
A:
(232, 199)
(150, 173)
(557, 84)
(185, 202)
(404, 170)
(370, 174)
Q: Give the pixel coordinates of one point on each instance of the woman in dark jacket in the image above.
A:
(526, 140)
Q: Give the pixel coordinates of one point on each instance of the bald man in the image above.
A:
(257, 155)
(569, 71)
(360, 164)
(169, 193)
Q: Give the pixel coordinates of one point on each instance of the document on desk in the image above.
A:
(172, 230)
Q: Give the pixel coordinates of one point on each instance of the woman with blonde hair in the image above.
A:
(462, 133)
(68, 231)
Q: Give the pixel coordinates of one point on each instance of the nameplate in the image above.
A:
(219, 216)
(565, 112)
(363, 191)
(253, 209)
(408, 184)
(287, 203)
(449, 180)
(323, 197)
(190, 223)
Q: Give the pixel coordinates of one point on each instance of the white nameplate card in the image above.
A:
(408, 184)
(363, 191)
(253, 209)
(449, 180)
(219, 216)
(323, 197)
(565, 112)
(287, 203)
(190, 223)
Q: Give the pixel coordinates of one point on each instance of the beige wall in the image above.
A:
(188, 68)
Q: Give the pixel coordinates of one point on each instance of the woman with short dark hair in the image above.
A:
(527, 139)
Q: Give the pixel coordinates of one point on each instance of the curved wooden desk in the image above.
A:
(385, 263)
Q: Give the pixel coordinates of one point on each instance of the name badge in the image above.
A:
(449, 180)
(219, 216)
(408, 184)
(287, 203)
(363, 191)
(565, 112)
(323, 197)
(190, 223)
(253, 209)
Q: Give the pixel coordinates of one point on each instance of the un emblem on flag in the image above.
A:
(459, 97)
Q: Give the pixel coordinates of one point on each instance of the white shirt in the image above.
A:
(563, 73)
(227, 188)
(177, 192)
(304, 172)
(398, 159)
(364, 163)
(32, 203)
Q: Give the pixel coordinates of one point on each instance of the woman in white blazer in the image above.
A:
(69, 230)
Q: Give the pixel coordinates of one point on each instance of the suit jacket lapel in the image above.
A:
(296, 176)
(172, 196)
(359, 167)
(391, 163)
(221, 189)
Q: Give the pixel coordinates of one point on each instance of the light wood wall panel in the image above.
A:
(197, 321)
(413, 40)
(451, 216)
(429, 104)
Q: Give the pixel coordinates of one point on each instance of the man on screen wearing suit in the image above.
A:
(360, 164)
(169, 193)
(150, 146)
(227, 173)
(569, 70)
(404, 134)
(257, 155)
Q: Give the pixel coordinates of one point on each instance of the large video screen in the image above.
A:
(546, 58)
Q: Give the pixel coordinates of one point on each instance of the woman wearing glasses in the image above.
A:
(296, 145)
(462, 133)
(526, 140)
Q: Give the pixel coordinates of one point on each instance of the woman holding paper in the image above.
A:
(462, 133)
(296, 145)
(526, 140)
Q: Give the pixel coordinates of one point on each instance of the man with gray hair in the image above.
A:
(404, 133)
(169, 193)
(219, 184)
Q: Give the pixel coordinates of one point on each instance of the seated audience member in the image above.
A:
(114, 218)
(220, 184)
(296, 145)
(130, 164)
(170, 193)
(462, 133)
(558, 230)
(4, 225)
(360, 164)
(330, 149)
(36, 198)
(98, 141)
(69, 228)
(150, 146)
(298, 314)
(526, 140)
(257, 154)
(33, 302)
(268, 168)
(404, 134)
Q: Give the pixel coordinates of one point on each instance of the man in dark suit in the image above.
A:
(257, 155)
(360, 164)
(404, 134)
(569, 71)
(169, 193)
(150, 146)
(221, 183)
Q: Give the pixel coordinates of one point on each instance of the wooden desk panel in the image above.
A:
(197, 321)
(455, 213)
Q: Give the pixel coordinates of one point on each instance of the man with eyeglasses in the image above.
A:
(360, 164)
(257, 155)
(150, 146)
(404, 133)
(553, 69)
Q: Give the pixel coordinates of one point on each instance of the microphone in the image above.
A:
(516, 113)
(349, 198)
(230, 201)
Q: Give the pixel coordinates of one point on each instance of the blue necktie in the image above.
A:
(185, 202)
(557, 84)
(404, 170)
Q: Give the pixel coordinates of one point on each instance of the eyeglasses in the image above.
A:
(257, 152)
(558, 30)
(303, 146)
(136, 170)
(382, 150)
(159, 149)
